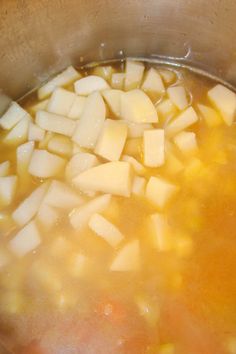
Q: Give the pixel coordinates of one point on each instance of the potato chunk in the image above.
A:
(178, 96)
(112, 140)
(35, 133)
(135, 130)
(103, 71)
(80, 162)
(77, 107)
(19, 132)
(139, 186)
(137, 107)
(224, 100)
(133, 74)
(43, 164)
(137, 166)
(47, 216)
(90, 84)
(154, 147)
(62, 196)
(91, 122)
(160, 191)
(160, 232)
(23, 156)
(128, 258)
(61, 101)
(55, 123)
(61, 145)
(26, 240)
(105, 229)
(117, 81)
(7, 189)
(181, 122)
(112, 98)
(12, 116)
(4, 168)
(211, 117)
(153, 82)
(111, 177)
(186, 142)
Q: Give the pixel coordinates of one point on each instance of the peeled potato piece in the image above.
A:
(112, 98)
(168, 76)
(35, 133)
(211, 117)
(135, 130)
(117, 81)
(23, 156)
(79, 217)
(103, 71)
(7, 189)
(19, 132)
(61, 101)
(153, 82)
(186, 142)
(43, 164)
(160, 191)
(112, 177)
(154, 147)
(47, 216)
(77, 107)
(181, 122)
(26, 240)
(178, 96)
(139, 186)
(55, 123)
(137, 166)
(166, 109)
(80, 162)
(128, 258)
(133, 74)
(12, 116)
(160, 232)
(90, 84)
(61, 145)
(4, 168)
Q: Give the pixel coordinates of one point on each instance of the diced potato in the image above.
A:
(7, 189)
(112, 98)
(44, 143)
(47, 216)
(4, 168)
(77, 107)
(211, 117)
(29, 207)
(160, 191)
(178, 96)
(224, 100)
(112, 140)
(135, 130)
(160, 232)
(91, 122)
(168, 76)
(79, 217)
(64, 78)
(181, 122)
(166, 109)
(79, 163)
(186, 142)
(139, 186)
(137, 166)
(104, 228)
(137, 107)
(23, 156)
(154, 147)
(26, 240)
(127, 258)
(77, 265)
(12, 116)
(76, 149)
(173, 165)
(55, 123)
(61, 101)
(41, 106)
(19, 132)
(117, 80)
(90, 84)
(62, 196)
(153, 82)
(133, 147)
(35, 133)
(103, 71)
(5, 258)
(43, 164)
(61, 145)
(133, 74)
(111, 177)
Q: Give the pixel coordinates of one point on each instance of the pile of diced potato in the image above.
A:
(108, 137)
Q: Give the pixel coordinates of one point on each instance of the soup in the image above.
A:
(118, 204)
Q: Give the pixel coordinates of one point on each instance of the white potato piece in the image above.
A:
(77, 107)
(111, 177)
(90, 84)
(186, 143)
(224, 100)
(61, 101)
(137, 107)
(181, 122)
(44, 143)
(168, 76)
(19, 133)
(29, 207)
(112, 140)
(79, 217)
(35, 133)
(4, 258)
(133, 74)
(160, 191)
(153, 82)
(166, 109)
(41, 106)
(139, 186)
(137, 166)
(12, 116)
(79, 163)
(91, 122)
(8, 186)
(112, 98)
(5, 168)
(43, 164)
(64, 78)
(128, 258)
(76, 149)
(173, 165)
(211, 117)
(154, 147)
(47, 216)
(55, 123)
(107, 230)
(62, 196)
(23, 156)
(178, 96)
(26, 240)
(133, 147)
(61, 145)
(160, 232)
(117, 81)
(135, 130)
(104, 71)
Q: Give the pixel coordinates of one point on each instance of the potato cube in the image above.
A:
(133, 74)
(117, 81)
(55, 123)
(178, 96)
(61, 145)
(4, 168)
(77, 107)
(112, 98)
(133, 147)
(12, 116)
(186, 142)
(153, 82)
(224, 100)
(26, 240)
(160, 191)
(168, 76)
(47, 137)
(79, 163)
(103, 71)
(19, 133)
(154, 147)
(166, 109)
(23, 156)
(7, 189)
(127, 258)
(137, 166)
(137, 107)
(211, 117)
(139, 186)
(90, 84)
(91, 122)
(43, 164)
(61, 101)
(62, 196)
(47, 216)
(135, 130)
(112, 140)
(181, 122)
(160, 232)
(35, 133)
